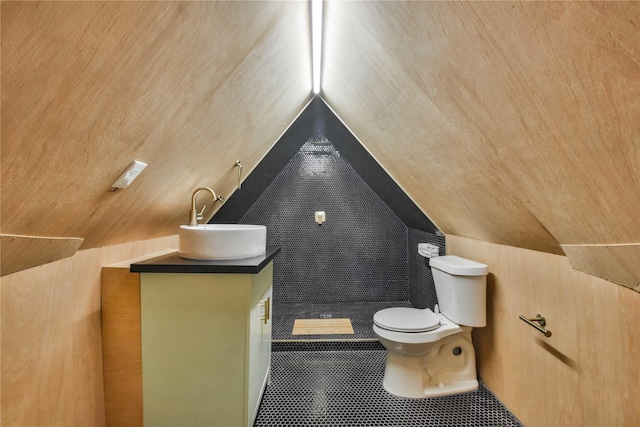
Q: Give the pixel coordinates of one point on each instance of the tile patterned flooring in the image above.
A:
(339, 383)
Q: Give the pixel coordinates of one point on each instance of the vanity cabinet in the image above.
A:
(206, 347)
(186, 343)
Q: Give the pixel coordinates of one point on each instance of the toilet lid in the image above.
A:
(405, 319)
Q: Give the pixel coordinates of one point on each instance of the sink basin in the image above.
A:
(222, 241)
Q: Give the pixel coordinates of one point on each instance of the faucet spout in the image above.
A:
(193, 213)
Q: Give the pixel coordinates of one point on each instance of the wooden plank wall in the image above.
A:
(122, 347)
(187, 87)
(508, 122)
(51, 372)
(18, 253)
(586, 373)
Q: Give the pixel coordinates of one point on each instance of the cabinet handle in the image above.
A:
(267, 310)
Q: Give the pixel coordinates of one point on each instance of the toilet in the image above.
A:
(430, 353)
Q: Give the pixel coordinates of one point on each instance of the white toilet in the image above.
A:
(431, 354)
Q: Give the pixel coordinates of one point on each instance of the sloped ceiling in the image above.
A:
(187, 87)
(509, 122)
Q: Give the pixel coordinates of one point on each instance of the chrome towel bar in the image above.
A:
(542, 322)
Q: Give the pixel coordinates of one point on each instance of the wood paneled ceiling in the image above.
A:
(515, 123)
(509, 122)
(187, 87)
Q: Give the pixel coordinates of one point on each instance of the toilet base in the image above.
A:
(449, 367)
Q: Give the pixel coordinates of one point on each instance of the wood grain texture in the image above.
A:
(609, 337)
(513, 123)
(18, 253)
(51, 369)
(616, 263)
(508, 122)
(586, 372)
(37, 347)
(322, 327)
(121, 347)
(187, 87)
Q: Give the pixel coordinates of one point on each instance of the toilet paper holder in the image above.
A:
(542, 322)
(428, 250)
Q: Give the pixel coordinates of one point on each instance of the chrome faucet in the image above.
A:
(194, 215)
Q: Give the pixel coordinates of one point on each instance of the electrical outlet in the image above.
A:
(129, 175)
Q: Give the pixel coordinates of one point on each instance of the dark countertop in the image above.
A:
(172, 263)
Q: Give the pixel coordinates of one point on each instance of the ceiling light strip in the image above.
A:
(316, 40)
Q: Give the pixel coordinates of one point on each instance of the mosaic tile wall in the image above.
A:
(366, 251)
(358, 254)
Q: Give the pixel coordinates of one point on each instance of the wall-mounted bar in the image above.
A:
(266, 305)
(542, 322)
(239, 166)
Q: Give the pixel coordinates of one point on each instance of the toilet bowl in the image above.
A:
(431, 353)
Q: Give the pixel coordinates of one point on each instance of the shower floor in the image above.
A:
(360, 313)
(327, 380)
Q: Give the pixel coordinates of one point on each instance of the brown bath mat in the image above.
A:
(322, 327)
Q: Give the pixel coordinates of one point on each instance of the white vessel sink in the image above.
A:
(221, 241)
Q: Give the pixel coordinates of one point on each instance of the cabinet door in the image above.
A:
(259, 352)
(194, 329)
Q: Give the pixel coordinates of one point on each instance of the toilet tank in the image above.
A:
(461, 286)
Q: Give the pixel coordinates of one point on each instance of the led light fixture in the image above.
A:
(316, 41)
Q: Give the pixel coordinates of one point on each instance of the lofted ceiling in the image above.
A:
(187, 87)
(509, 122)
(515, 123)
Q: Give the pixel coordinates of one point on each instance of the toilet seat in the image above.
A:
(405, 319)
(445, 328)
